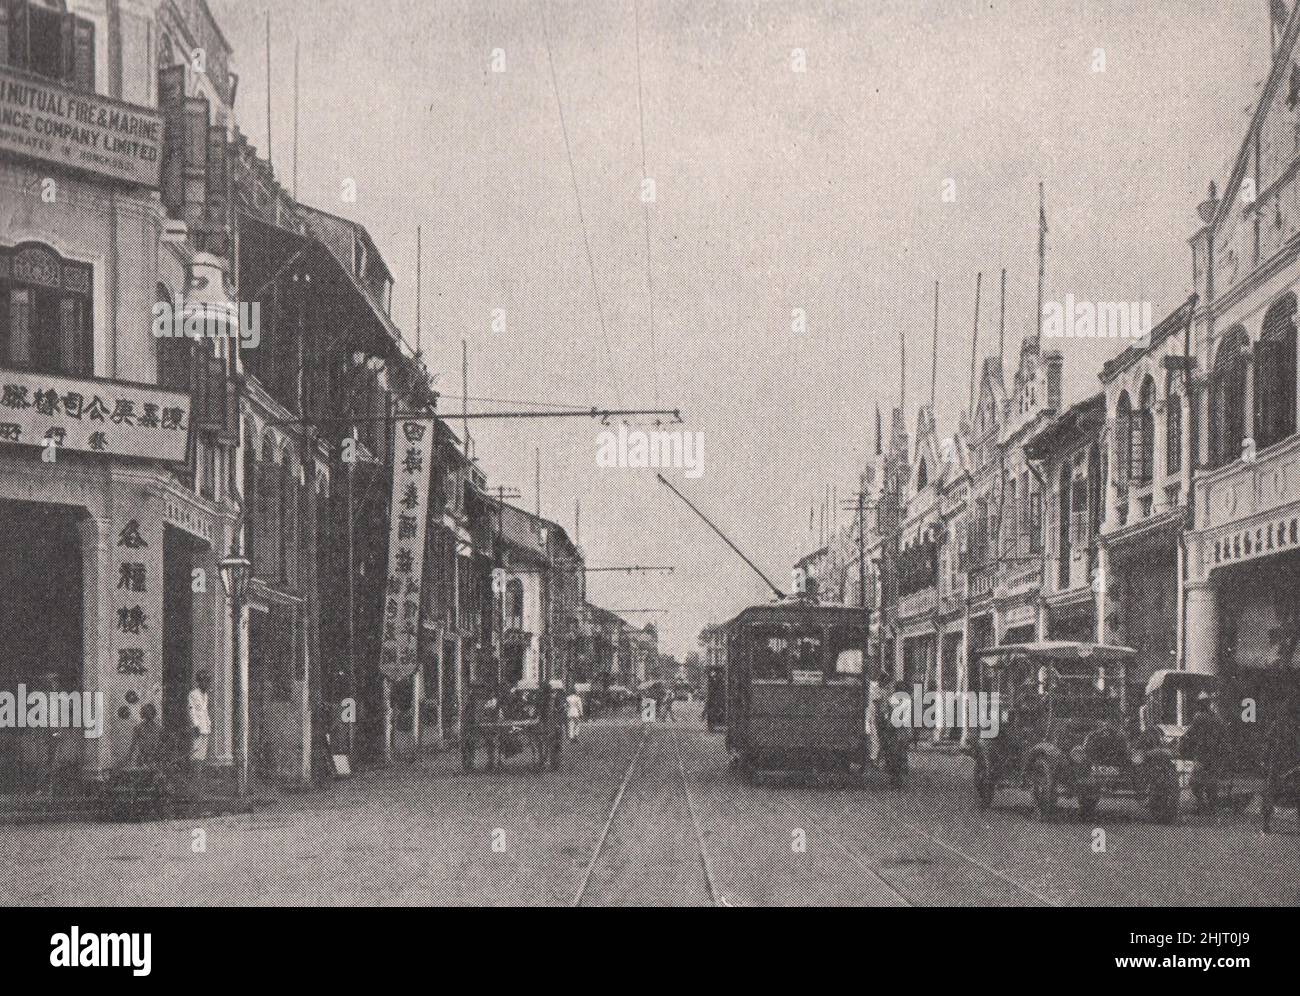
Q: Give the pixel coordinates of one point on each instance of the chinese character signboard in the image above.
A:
(131, 420)
(412, 457)
(55, 123)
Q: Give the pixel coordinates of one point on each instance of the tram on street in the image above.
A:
(798, 694)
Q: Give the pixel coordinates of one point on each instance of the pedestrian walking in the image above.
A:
(1204, 744)
(573, 713)
(200, 719)
(669, 698)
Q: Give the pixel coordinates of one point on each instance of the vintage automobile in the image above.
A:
(512, 721)
(1062, 731)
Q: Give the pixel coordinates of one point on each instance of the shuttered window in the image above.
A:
(48, 42)
(1275, 375)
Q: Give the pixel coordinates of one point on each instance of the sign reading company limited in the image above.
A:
(58, 124)
(104, 417)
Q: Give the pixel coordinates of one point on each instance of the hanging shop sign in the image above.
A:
(412, 461)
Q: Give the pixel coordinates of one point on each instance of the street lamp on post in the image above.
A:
(236, 570)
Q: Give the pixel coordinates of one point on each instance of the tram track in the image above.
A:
(634, 863)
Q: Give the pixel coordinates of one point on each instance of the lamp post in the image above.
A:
(236, 570)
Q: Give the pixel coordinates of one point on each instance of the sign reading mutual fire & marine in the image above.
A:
(94, 416)
(58, 124)
(413, 454)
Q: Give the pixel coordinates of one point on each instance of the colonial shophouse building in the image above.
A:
(1067, 449)
(1243, 545)
(116, 454)
(1147, 460)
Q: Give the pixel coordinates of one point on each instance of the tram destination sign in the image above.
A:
(93, 416)
(48, 121)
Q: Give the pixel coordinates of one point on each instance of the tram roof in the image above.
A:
(792, 609)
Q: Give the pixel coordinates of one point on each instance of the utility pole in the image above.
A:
(934, 349)
(860, 502)
(974, 342)
(499, 559)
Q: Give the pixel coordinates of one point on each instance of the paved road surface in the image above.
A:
(686, 831)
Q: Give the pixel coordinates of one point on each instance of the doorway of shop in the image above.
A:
(41, 620)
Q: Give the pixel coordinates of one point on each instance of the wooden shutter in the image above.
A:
(15, 30)
(196, 161)
(218, 204)
(67, 48)
(83, 54)
(6, 32)
(171, 101)
(266, 525)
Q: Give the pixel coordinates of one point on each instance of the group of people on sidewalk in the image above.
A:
(148, 749)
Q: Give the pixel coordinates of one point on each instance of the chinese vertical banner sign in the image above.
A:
(412, 463)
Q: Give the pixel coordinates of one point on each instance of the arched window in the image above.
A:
(1124, 423)
(1228, 398)
(1275, 374)
(515, 602)
(45, 312)
(922, 476)
(1144, 434)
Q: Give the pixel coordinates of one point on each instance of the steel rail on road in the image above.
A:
(609, 820)
(874, 873)
(714, 896)
(914, 828)
(706, 865)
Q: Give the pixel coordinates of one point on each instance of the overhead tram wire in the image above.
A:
(582, 222)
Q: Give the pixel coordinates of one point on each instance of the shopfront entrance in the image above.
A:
(41, 627)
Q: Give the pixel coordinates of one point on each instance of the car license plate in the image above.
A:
(1105, 772)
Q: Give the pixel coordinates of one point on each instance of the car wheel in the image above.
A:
(1162, 796)
(1045, 790)
(467, 751)
(1088, 806)
(986, 785)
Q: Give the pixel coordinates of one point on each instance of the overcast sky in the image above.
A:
(775, 190)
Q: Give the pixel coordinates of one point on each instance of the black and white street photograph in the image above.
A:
(650, 453)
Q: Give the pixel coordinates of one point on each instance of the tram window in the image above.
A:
(846, 649)
(771, 653)
(808, 650)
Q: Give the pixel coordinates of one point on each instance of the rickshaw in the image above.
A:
(508, 722)
(1062, 731)
(1168, 706)
(1282, 774)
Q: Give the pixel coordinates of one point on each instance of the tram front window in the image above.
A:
(808, 652)
(771, 654)
(846, 651)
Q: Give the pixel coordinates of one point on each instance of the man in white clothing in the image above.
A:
(200, 719)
